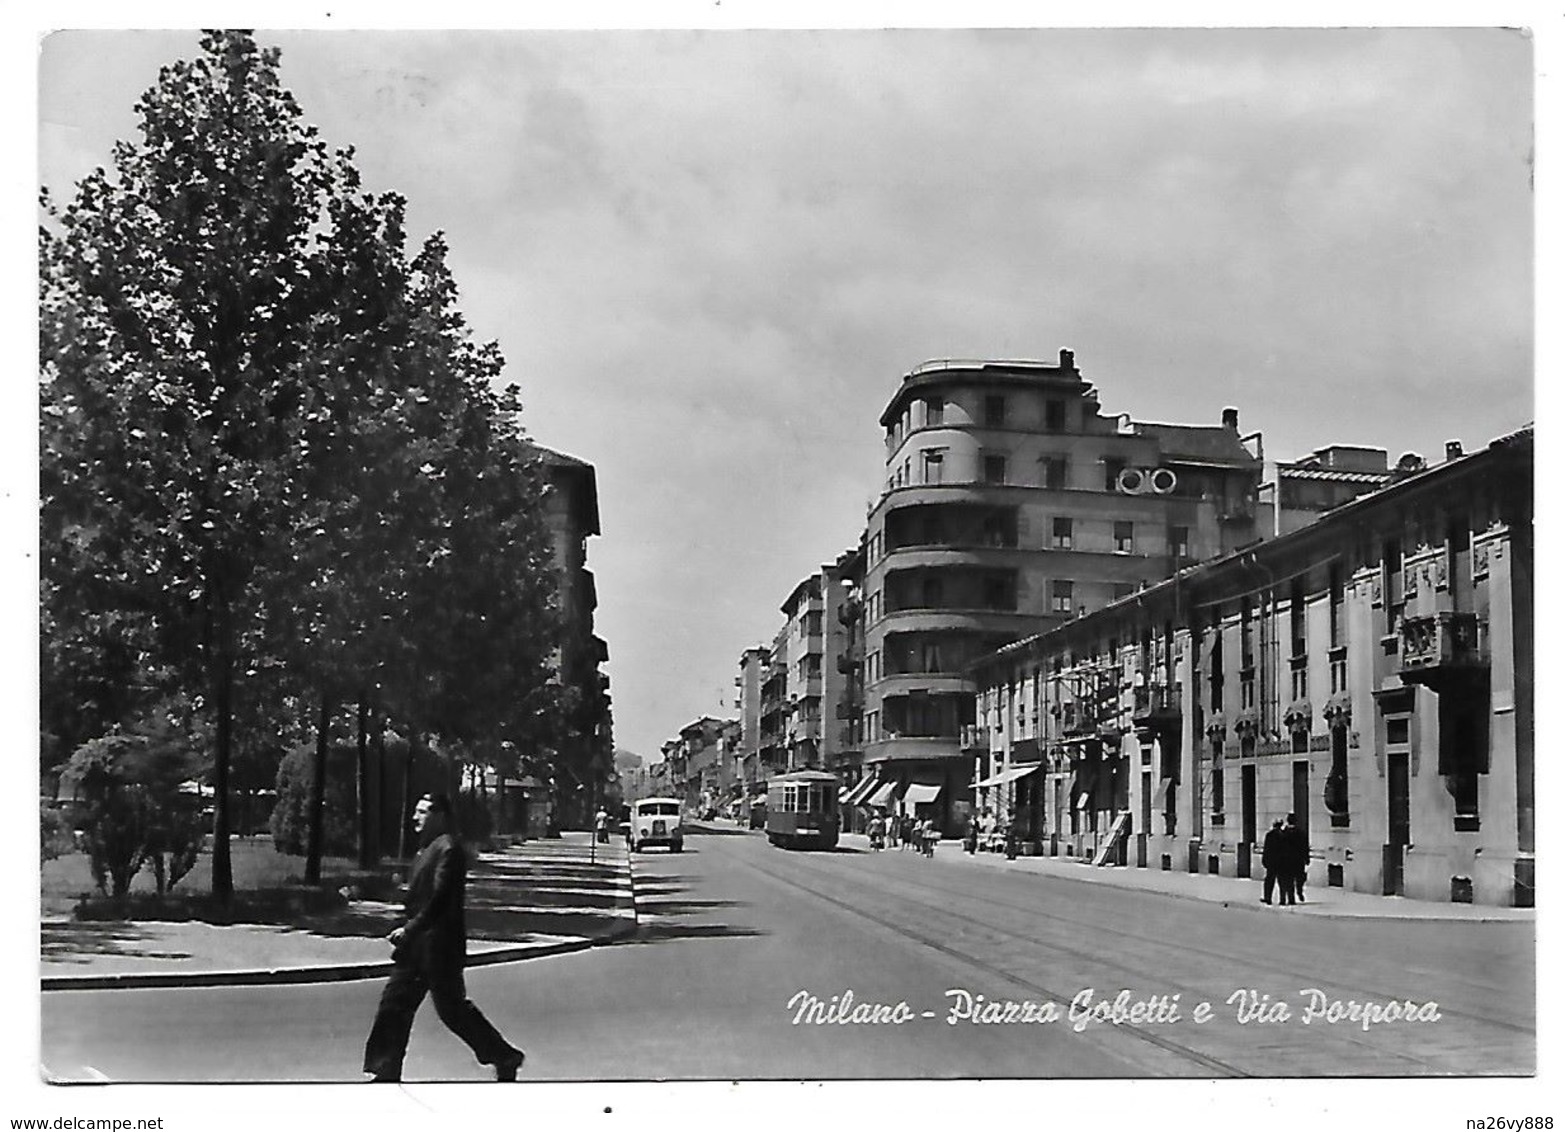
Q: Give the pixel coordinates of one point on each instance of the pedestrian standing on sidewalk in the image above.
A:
(1300, 856)
(931, 836)
(1271, 852)
(1290, 860)
(429, 952)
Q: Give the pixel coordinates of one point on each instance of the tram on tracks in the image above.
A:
(801, 810)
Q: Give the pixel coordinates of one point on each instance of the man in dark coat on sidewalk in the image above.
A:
(1298, 859)
(429, 952)
(1272, 850)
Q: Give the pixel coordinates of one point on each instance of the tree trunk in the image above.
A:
(223, 703)
(365, 860)
(404, 841)
(317, 796)
(377, 839)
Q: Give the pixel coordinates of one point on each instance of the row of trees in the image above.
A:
(280, 486)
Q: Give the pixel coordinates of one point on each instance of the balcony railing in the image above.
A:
(1155, 705)
(1440, 648)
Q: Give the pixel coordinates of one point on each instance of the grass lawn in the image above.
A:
(256, 865)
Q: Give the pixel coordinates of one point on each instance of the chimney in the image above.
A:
(1068, 360)
(1231, 419)
(1453, 449)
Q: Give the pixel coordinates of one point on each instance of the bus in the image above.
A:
(801, 810)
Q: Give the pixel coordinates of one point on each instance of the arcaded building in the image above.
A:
(1012, 504)
(1370, 672)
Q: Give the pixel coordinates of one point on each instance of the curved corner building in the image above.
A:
(1010, 505)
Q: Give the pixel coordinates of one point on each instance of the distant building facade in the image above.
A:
(1370, 672)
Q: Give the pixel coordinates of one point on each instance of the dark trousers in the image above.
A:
(1287, 887)
(1268, 885)
(404, 993)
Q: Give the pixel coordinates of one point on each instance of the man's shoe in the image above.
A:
(506, 1070)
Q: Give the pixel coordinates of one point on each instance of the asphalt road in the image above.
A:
(735, 936)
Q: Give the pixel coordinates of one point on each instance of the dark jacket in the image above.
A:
(1273, 850)
(1296, 850)
(436, 929)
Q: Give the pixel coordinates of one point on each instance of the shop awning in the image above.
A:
(842, 794)
(882, 796)
(1010, 774)
(863, 790)
(917, 792)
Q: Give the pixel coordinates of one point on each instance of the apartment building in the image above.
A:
(754, 663)
(1370, 672)
(1012, 504)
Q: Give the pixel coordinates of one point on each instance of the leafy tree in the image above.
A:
(176, 304)
(132, 782)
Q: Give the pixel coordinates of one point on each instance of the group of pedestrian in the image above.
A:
(1285, 854)
(905, 832)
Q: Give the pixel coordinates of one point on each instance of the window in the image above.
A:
(1217, 664)
(934, 593)
(934, 463)
(1217, 782)
(934, 412)
(994, 411)
(1062, 538)
(997, 594)
(1246, 620)
(1179, 542)
(1054, 416)
(1111, 471)
(1391, 557)
(1061, 596)
(1336, 796)
(1336, 588)
(1054, 470)
(1296, 617)
(994, 469)
(1124, 537)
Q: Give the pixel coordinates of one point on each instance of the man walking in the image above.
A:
(1271, 854)
(429, 952)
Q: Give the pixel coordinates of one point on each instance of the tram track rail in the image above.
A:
(1250, 959)
(824, 883)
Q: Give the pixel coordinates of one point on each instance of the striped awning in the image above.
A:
(863, 790)
(882, 796)
(1010, 774)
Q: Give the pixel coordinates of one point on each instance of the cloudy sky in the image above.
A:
(709, 257)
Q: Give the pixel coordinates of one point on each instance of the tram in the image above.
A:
(801, 810)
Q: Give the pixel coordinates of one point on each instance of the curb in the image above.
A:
(341, 972)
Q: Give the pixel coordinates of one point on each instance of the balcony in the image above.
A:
(1156, 706)
(1441, 649)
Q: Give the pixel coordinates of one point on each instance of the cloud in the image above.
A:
(710, 256)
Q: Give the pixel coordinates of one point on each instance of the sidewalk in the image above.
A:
(545, 897)
(1232, 892)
